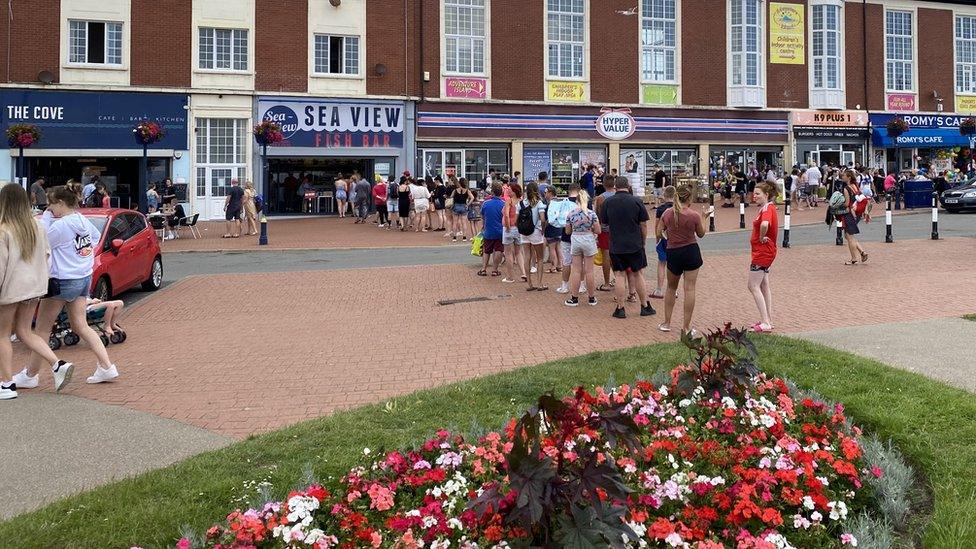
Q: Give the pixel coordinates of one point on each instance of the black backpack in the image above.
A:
(524, 221)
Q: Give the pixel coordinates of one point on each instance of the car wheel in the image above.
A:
(103, 289)
(155, 280)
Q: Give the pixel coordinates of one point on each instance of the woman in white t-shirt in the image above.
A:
(534, 245)
(420, 197)
(73, 239)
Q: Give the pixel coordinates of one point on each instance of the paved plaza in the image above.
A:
(242, 342)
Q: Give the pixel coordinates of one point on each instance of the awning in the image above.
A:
(920, 138)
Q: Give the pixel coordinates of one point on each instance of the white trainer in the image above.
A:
(62, 374)
(25, 381)
(563, 289)
(102, 375)
(8, 393)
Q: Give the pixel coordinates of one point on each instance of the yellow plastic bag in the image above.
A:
(476, 243)
(598, 258)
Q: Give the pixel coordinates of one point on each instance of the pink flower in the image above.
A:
(876, 471)
(848, 539)
(380, 498)
(183, 544)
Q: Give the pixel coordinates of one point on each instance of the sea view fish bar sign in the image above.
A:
(336, 124)
(787, 45)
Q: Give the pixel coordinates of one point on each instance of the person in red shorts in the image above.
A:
(603, 241)
(764, 229)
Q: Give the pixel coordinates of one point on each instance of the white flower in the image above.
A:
(816, 516)
(440, 544)
(799, 521)
(838, 510)
(430, 522)
(663, 390)
(313, 536)
(823, 480)
(778, 541)
(767, 421)
(367, 451)
(455, 523)
(684, 403)
(808, 502)
(674, 540)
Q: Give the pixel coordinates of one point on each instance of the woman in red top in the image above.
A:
(764, 229)
(379, 200)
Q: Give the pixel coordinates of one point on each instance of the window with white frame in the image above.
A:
(94, 42)
(899, 56)
(826, 56)
(658, 41)
(745, 42)
(223, 49)
(566, 38)
(464, 36)
(336, 54)
(965, 54)
(221, 154)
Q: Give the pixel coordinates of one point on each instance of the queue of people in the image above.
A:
(48, 265)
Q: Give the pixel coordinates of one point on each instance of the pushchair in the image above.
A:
(61, 333)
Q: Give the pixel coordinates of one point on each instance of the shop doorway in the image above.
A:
(443, 163)
(286, 197)
(120, 174)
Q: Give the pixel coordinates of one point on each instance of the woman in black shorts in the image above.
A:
(403, 199)
(682, 226)
(459, 210)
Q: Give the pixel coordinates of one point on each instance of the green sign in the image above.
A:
(659, 94)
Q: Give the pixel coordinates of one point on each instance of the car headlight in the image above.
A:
(970, 194)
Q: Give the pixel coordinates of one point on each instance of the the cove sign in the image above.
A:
(616, 124)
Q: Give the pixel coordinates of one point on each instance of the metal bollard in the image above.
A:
(840, 234)
(263, 239)
(935, 215)
(786, 224)
(711, 212)
(742, 214)
(888, 238)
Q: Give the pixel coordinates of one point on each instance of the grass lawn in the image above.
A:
(970, 317)
(934, 426)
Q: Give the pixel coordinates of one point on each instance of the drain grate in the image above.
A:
(472, 299)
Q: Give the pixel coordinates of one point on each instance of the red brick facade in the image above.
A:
(33, 40)
(403, 41)
(152, 63)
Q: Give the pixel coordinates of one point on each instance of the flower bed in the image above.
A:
(740, 464)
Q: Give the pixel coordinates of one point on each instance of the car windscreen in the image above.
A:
(99, 223)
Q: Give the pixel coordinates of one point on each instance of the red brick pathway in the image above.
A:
(242, 354)
(332, 232)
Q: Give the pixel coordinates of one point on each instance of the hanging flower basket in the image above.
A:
(22, 136)
(967, 126)
(896, 126)
(147, 132)
(268, 132)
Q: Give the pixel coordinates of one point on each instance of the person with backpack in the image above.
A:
(841, 207)
(511, 238)
(531, 222)
(392, 202)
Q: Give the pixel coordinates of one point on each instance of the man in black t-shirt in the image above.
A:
(660, 178)
(740, 184)
(627, 218)
(233, 206)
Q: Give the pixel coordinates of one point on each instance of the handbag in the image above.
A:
(53, 287)
(449, 203)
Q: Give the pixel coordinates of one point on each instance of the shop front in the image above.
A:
(86, 134)
(932, 141)
(836, 138)
(564, 140)
(329, 139)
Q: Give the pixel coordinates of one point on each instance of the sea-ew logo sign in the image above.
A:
(616, 124)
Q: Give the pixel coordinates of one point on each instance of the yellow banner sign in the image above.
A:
(787, 42)
(966, 104)
(566, 91)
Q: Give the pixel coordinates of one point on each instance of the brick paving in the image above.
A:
(243, 354)
(333, 233)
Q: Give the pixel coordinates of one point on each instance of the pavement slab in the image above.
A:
(58, 445)
(941, 348)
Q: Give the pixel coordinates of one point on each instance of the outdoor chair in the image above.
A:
(190, 223)
(158, 224)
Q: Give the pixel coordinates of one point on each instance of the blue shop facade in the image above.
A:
(933, 142)
(89, 133)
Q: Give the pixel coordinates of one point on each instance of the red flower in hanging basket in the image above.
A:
(896, 126)
(148, 132)
(23, 135)
(268, 132)
(967, 126)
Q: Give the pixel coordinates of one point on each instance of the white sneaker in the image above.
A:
(8, 393)
(582, 287)
(102, 375)
(381, 225)
(534, 270)
(62, 374)
(13, 337)
(563, 289)
(25, 381)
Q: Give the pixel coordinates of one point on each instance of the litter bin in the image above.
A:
(918, 199)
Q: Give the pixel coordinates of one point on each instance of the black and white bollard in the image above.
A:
(888, 238)
(263, 239)
(742, 214)
(935, 215)
(786, 222)
(711, 212)
(840, 233)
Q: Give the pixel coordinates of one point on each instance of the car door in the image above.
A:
(113, 262)
(131, 267)
(142, 238)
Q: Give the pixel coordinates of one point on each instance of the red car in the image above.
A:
(127, 254)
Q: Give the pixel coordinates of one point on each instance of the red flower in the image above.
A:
(661, 528)
(772, 517)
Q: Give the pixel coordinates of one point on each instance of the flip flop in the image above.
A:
(496, 273)
(226, 236)
(529, 289)
(757, 328)
(632, 298)
(605, 288)
(850, 263)
(542, 289)
(864, 257)
(482, 273)
(663, 328)
(507, 281)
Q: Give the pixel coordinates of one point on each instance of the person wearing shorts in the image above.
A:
(510, 236)
(603, 240)
(492, 247)
(583, 226)
(233, 208)
(565, 241)
(763, 246)
(553, 233)
(682, 226)
(534, 245)
(849, 221)
(662, 243)
(627, 217)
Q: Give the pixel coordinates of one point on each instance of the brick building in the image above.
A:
(462, 86)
